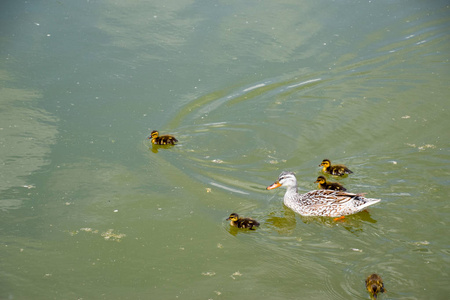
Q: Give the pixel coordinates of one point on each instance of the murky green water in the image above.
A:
(89, 210)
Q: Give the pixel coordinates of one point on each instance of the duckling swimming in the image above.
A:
(374, 285)
(163, 139)
(239, 222)
(338, 170)
(324, 185)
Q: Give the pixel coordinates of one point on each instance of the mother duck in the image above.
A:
(326, 203)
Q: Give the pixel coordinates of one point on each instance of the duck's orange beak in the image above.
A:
(275, 185)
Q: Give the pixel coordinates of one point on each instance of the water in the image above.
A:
(89, 210)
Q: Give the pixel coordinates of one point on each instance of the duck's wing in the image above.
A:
(168, 140)
(328, 197)
(250, 222)
(247, 223)
(336, 203)
(340, 170)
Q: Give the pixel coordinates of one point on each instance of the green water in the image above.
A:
(89, 210)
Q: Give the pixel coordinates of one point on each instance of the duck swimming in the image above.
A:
(325, 185)
(163, 139)
(374, 285)
(239, 222)
(339, 170)
(326, 203)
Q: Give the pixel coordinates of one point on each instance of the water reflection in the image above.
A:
(285, 224)
(235, 231)
(352, 223)
(155, 148)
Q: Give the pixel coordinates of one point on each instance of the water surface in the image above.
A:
(90, 210)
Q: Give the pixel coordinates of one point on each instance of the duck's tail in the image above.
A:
(368, 202)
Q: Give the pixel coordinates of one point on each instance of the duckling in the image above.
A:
(338, 170)
(162, 140)
(324, 185)
(238, 222)
(374, 285)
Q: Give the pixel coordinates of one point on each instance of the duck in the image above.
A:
(374, 285)
(239, 222)
(163, 139)
(323, 184)
(325, 203)
(339, 170)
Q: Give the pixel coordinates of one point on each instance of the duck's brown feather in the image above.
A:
(164, 140)
(337, 170)
(374, 285)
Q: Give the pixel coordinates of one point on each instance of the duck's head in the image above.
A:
(326, 163)
(286, 179)
(375, 289)
(154, 134)
(233, 217)
(321, 180)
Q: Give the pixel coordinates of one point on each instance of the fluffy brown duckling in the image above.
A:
(324, 185)
(375, 285)
(163, 139)
(239, 222)
(338, 170)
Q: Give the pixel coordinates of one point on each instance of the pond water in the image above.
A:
(90, 210)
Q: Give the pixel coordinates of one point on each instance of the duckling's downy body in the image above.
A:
(339, 170)
(325, 185)
(163, 139)
(239, 222)
(374, 285)
(327, 203)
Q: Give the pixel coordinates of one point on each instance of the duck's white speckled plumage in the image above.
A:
(327, 203)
